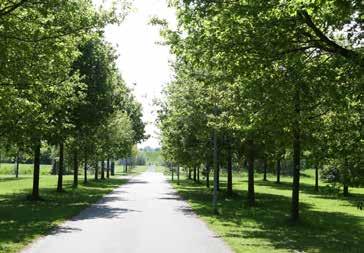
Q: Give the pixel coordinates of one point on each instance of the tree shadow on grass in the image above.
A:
(107, 183)
(22, 220)
(318, 231)
(9, 179)
(352, 199)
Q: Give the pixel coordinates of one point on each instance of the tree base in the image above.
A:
(32, 198)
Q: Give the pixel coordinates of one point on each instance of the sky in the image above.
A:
(144, 65)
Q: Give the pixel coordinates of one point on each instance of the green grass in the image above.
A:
(23, 221)
(329, 221)
(131, 171)
(161, 169)
(24, 169)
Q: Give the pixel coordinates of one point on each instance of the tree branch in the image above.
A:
(10, 8)
(331, 46)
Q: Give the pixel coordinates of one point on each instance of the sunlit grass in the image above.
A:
(24, 169)
(22, 221)
(329, 221)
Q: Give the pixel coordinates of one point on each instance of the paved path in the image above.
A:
(144, 215)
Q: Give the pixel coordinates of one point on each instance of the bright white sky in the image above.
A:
(141, 61)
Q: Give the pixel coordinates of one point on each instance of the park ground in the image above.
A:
(329, 223)
(143, 215)
(23, 221)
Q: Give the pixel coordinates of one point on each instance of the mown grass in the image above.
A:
(24, 169)
(329, 222)
(120, 170)
(160, 169)
(22, 221)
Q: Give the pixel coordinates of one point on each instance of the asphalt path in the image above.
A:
(144, 215)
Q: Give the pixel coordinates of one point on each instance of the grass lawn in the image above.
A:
(161, 169)
(329, 221)
(24, 169)
(22, 221)
(131, 171)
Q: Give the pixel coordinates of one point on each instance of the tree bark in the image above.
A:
(189, 173)
(113, 168)
(296, 158)
(96, 170)
(85, 180)
(215, 190)
(250, 158)
(61, 168)
(17, 166)
(36, 171)
(316, 178)
(108, 168)
(208, 176)
(102, 169)
(218, 177)
(346, 190)
(194, 173)
(126, 165)
(54, 167)
(178, 174)
(278, 168)
(198, 174)
(75, 169)
(265, 167)
(230, 173)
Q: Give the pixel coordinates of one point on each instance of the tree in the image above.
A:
(256, 54)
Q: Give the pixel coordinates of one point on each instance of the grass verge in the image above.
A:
(24, 169)
(23, 221)
(329, 222)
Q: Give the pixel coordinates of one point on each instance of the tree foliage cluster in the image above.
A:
(59, 86)
(269, 81)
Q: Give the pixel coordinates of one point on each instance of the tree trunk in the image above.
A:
(112, 168)
(278, 168)
(250, 158)
(189, 173)
(178, 174)
(198, 174)
(96, 170)
(296, 158)
(75, 169)
(215, 191)
(108, 168)
(172, 173)
(265, 170)
(346, 190)
(316, 178)
(61, 168)
(36, 171)
(17, 166)
(194, 173)
(85, 171)
(208, 176)
(102, 169)
(54, 167)
(229, 173)
(218, 177)
(126, 165)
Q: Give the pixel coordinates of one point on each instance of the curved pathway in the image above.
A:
(144, 215)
